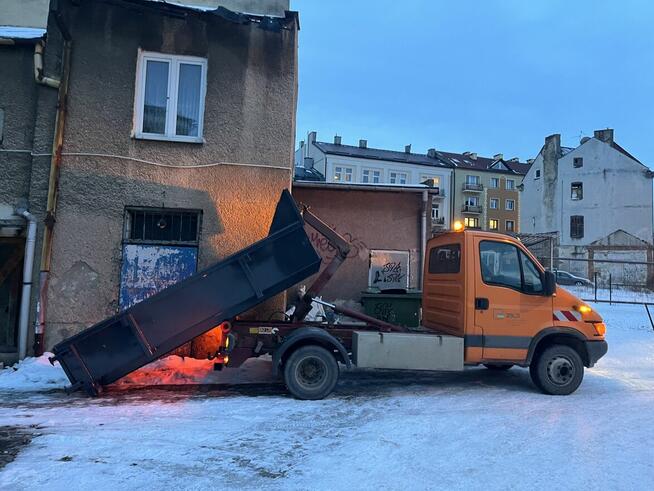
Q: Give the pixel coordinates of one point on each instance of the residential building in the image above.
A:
(597, 196)
(360, 164)
(173, 130)
(485, 191)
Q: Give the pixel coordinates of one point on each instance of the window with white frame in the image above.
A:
(510, 226)
(493, 224)
(372, 176)
(396, 177)
(472, 179)
(170, 95)
(493, 203)
(343, 173)
(494, 182)
(510, 184)
(472, 201)
(471, 222)
(435, 211)
(509, 205)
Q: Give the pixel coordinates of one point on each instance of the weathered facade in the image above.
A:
(597, 195)
(382, 218)
(146, 196)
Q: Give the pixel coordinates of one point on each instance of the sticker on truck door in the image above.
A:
(506, 315)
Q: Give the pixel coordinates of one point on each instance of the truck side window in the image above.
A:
(500, 265)
(504, 264)
(445, 259)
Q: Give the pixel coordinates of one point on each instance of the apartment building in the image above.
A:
(335, 162)
(485, 191)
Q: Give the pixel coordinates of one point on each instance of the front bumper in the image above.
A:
(595, 350)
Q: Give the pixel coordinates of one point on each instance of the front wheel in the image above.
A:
(311, 373)
(558, 370)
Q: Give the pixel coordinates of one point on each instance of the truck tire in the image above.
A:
(311, 373)
(497, 367)
(558, 370)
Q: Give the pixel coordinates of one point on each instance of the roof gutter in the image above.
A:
(364, 187)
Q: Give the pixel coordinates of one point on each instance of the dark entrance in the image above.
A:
(11, 268)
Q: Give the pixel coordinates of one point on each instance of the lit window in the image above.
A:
(494, 182)
(398, 177)
(509, 205)
(510, 184)
(170, 93)
(343, 173)
(425, 177)
(510, 226)
(577, 191)
(493, 224)
(471, 222)
(494, 203)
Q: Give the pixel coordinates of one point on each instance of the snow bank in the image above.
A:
(33, 374)
(37, 374)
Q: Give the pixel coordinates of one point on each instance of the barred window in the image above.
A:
(577, 226)
(163, 225)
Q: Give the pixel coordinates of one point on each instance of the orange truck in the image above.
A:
(486, 301)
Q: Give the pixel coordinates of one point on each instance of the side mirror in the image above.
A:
(549, 286)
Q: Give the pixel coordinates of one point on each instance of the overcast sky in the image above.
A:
(491, 76)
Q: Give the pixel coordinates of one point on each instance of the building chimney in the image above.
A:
(498, 156)
(308, 162)
(301, 143)
(337, 140)
(604, 135)
(363, 143)
(431, 153)
(312, 137)
(470, 155)
(530, 161)
(407, 148)
(514, 159)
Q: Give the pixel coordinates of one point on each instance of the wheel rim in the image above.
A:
(311, 372)
(560, 370)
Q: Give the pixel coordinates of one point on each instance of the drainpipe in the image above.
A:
(423, 235)
(53, 183)
(38, 68)
(28, 266)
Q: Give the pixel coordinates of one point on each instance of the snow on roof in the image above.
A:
(13, 32)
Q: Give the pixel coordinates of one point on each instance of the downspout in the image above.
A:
(28, 266)
(38, 68)
(423, 235)
(53, 183)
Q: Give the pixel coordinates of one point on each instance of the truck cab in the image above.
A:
(488, 289)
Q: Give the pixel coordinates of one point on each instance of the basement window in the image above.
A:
(162, 226)
(577, 191)
(170, 94)
(577, 227)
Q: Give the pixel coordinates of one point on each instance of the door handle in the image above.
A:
(481, 303)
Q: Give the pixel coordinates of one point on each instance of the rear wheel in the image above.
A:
(558, 370)
(497, 366)
(311, 372)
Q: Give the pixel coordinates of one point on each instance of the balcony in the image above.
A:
(471, 187)
(438, 222)
(476, 209)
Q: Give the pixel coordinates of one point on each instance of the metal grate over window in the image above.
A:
(163, 225)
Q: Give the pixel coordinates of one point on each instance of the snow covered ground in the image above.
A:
(476, 429)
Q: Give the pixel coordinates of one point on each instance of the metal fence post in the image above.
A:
(595, 281)
(649, 315)
(610, 289)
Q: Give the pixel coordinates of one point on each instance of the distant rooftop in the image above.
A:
(439, 158)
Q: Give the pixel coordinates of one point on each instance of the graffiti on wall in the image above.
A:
(389, 270)
(358, 248)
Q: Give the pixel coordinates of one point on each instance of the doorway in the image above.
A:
(11, 268)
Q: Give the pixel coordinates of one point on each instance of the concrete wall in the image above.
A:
(617, 194)
(368, 220)
(502, 194)
(249, 118)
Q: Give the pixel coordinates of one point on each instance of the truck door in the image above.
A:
(510, 307)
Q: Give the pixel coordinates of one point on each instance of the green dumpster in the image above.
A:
(403, 309)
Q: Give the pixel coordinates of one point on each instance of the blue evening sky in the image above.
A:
(488, 76)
